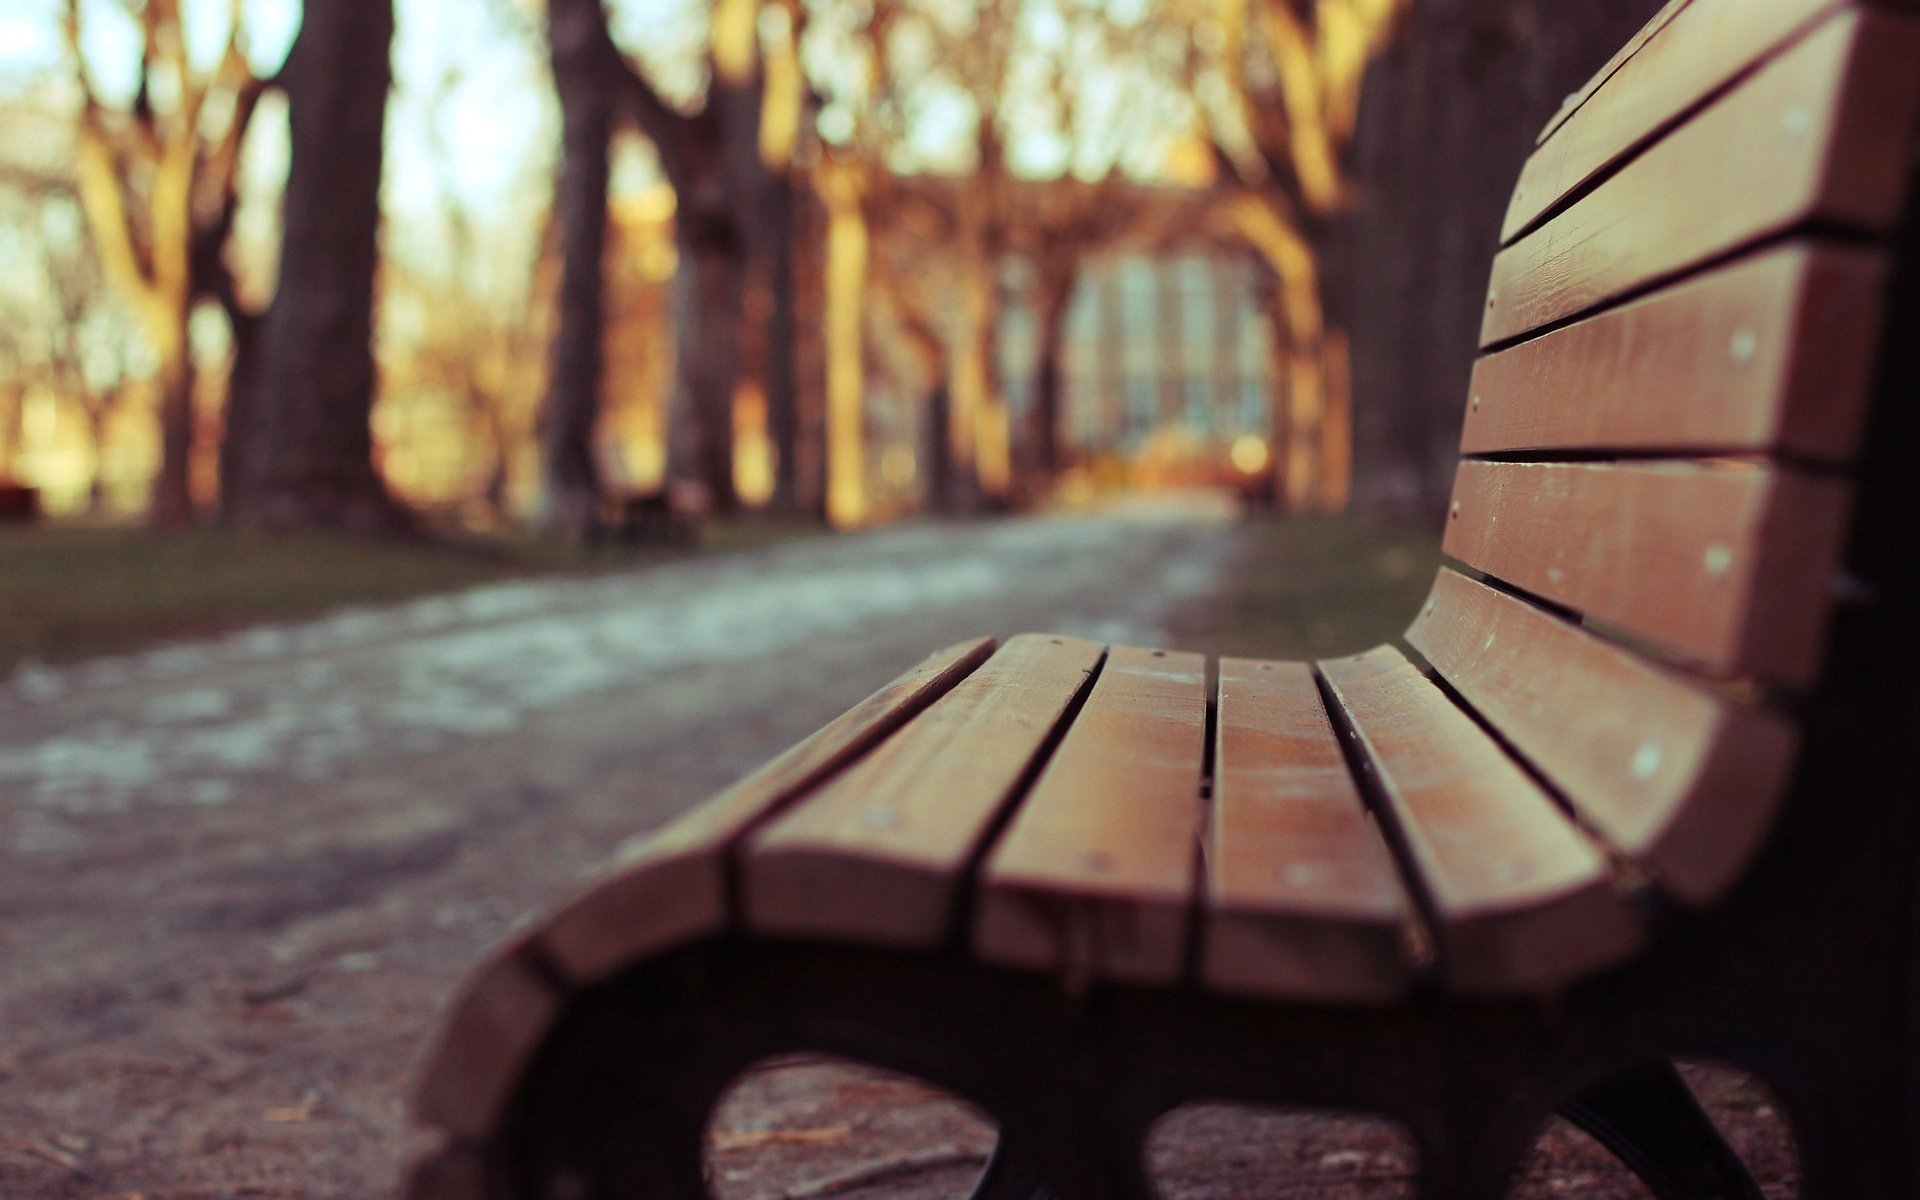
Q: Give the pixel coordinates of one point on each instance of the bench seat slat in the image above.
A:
(1679, 779)
(1521, 900)
(1304, 900)
(879, 853)
(1817, 134)
(669, 888)
(1726, 565)
(1096, 874)
(1773, 354)
(1699, 50)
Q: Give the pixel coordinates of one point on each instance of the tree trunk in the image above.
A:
(779, 370)
(96, 457)
(312, 452)
(846, 281)
(807, 257)
(239, 426)
(1447, 117)
(171, 503)
(983, 449)
(13, 393)
(570, 411)
(1044, 414)
(939, 441)
(712, 281)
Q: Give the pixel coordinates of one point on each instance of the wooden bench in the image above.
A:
(1640, 785)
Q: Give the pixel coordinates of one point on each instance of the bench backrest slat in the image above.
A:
(1816, 134)
(1771, 355)
(1683, 58)
(1682, 336)
(1726, 566)
(1680, 779)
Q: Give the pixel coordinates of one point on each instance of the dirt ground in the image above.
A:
(240, 878)
(804, 1130)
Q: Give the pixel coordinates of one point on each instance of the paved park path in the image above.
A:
(239, 878)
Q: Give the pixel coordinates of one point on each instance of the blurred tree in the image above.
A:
(307, 433)
(466, 301)
(1079, 207)
(1064, 223)
(1280, 84)
(156, 176)
(728, 162)
(1061, 123)
(63, 332)
(89, 358)
(1449, 114)
(588, 74)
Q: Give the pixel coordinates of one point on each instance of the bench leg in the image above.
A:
(1650, 1120)
(1009, 1176)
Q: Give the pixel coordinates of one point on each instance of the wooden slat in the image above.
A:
(1677, 778)
(1520, 900)
(671, 886)
(1701, 50)
(878, 854)
(1304, 900)
(1772, 355)
(1575, 101)
(500, 1016)
(1095, 876)
(1726, 565)
(1819, 133)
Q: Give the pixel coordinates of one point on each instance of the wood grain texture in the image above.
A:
(1703, 46)
(1095, 876)
(1677, 778)
(879, 853)
(1521, 901)
(671, 886)
(1304, 900)
(1820, 133)
(1727, 566)
(1577, 100)
(1773, 354)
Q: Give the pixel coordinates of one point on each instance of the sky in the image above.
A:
(496, 119)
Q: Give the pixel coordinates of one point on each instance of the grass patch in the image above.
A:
(68, 592)
(1317, 587)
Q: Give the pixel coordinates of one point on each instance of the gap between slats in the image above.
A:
(1425, 965)
(1627, 874)
(1847, 81)
(1665, 126)
(1814, 230)
(1192, 964)
(966, 905)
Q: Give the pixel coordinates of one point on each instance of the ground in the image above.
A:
(240, 877)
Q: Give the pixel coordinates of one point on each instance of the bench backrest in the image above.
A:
(1680, 354)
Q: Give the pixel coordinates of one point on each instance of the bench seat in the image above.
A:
(1349, 832)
